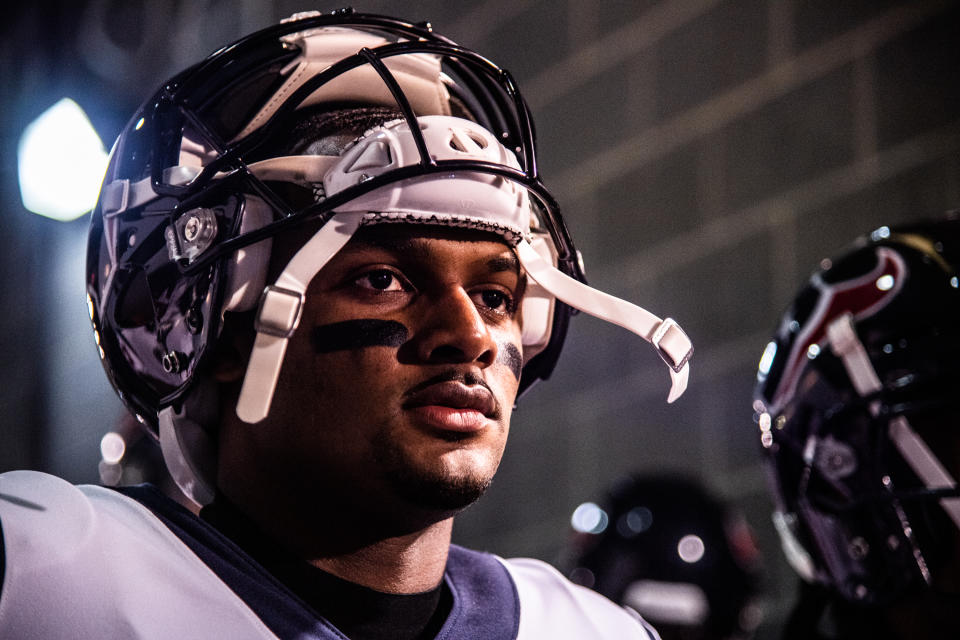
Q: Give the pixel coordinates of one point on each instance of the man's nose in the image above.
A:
(454, 331)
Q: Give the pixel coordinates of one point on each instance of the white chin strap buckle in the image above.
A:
(672, 344)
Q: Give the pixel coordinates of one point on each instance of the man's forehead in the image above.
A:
(417, 240)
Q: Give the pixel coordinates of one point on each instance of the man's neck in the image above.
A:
(342, 544)
(411, 563)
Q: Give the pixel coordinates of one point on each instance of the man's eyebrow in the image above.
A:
(389, 243)
(504, 262)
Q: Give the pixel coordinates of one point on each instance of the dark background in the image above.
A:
(707, 153)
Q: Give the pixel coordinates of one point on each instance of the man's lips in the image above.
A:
(453, 406)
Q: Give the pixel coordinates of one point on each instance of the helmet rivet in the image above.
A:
(192, 228)
(171, 362)
(893, 542)
(860, 592)
(192, 234)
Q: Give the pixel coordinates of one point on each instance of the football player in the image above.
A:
(322, 267)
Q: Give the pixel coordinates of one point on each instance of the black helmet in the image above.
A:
(856, 401)
(196, 188)
(665, 546)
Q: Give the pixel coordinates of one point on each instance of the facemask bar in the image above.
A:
(938, 484)
(847, 346)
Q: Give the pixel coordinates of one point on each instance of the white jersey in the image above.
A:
(89, 562)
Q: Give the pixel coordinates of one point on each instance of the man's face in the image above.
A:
(399, 383)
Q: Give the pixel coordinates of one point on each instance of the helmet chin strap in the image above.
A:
(279, 314)
(847, 346)
(666, 336)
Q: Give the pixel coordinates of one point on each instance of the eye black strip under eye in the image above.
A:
(510, 355)
(357, 334)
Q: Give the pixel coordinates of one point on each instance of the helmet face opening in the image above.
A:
(855, 403)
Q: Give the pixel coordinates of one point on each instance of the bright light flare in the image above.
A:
(589, 518)
(885, 282)
(112, 447)
(766, 360)
(691, 548)
(61, 161)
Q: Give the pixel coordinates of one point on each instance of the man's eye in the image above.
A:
(496, 300)
(380, 280)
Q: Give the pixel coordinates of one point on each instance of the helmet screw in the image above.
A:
(191, 234)
(893, 543)
(191, 229)
(171, 362)
(860, 592)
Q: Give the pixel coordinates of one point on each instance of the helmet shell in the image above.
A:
(852, 511)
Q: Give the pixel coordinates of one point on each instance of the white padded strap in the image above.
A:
(924, 464)
(279, 314)
(306, 168)
(847, 346)
(667, 337)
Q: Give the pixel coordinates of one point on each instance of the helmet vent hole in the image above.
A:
(466, 142)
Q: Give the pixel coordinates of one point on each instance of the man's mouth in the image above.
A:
(452, 405)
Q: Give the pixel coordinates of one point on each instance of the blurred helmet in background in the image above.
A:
(666, 547)
(857, 403)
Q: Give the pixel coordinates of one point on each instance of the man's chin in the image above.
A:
(438, 493)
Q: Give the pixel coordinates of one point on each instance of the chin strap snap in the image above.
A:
(666, 336)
